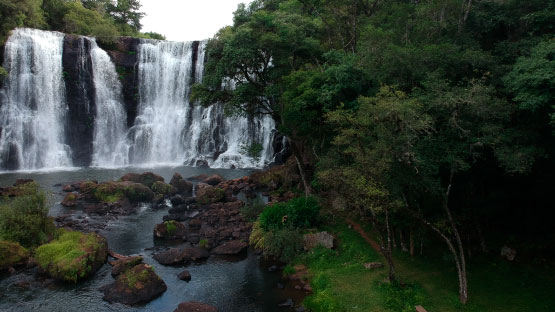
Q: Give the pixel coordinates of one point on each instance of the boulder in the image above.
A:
(73, 256)
(162, 188)
(207, 194)
(147, 178)
(121, 265)
(110, 192)
(70, 200)
(195, 307)
(184, 276)
(173, 256)
(323, 239)
(170, 230)
(198, 178)
(201, 163)
(181, 186)
(68, 188)
(12, 255)
(230, 248)
(213, 180)
(196, 254)
(137, 285)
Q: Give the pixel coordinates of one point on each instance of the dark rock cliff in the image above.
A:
(77, 67)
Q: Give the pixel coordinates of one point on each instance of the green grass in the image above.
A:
(341, 283)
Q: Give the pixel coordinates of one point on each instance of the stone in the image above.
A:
(170, 230)
(68, 188)
(420, 309)
(287, 303)
(121, 265)
(181, 186)
(137, 285)
(193, 306)
(207, 194)
(213, 180)
(196, 254)
(164, 189)
(173, 256)
(70, 200)
(147, 178)
(58, 259)
(323, 239)
(184, 276)
(508, 253)
(373, 265)
(230, 248)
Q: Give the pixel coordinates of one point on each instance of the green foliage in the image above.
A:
(400, 297)
(283, 244)
(19, 13)
(171, 227)
(12, 254)
(162, 188)
(3, 73)
(203, 243)
(72, 256)
(253, 209)
(154, 35)
(24, 219)
(532, 81)
(135, 278)
(253, 150)
(300, 212)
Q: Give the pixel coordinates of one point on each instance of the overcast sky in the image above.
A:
(187, 20)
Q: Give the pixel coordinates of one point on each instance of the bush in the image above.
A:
(12, 254)
(300, 212)
(253, 209)
(283, 244)
(25, 219)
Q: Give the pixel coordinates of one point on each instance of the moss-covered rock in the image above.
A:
(206, 194)
(170, 230)
(146, 178)
(122, 265)
(139, 284)
(87, 189)
(162, 188)
(283, 176)
(110, 192)
(182, 187)
(12, 255)
(73, 256)
(70, 200)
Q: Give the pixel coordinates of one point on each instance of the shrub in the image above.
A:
(73, 255)
(400, 297)
(203, 243)
(283, 244)
(300, 212)
(25, 219)
(12, 254)
(253, 209)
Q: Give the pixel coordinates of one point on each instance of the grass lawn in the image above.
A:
(341, 283)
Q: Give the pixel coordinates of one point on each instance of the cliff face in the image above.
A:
(79, 85)
(124, 55)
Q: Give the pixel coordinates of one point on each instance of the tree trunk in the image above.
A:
(411, 243)
(300, 166)
(402, 241)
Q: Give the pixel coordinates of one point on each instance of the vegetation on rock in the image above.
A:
(73, 256)
(12, 254)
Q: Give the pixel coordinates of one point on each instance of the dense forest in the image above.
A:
(420, 117)
(430, 123)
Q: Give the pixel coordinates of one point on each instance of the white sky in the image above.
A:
(187, 20)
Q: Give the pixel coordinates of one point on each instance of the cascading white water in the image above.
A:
(33, 107)
(169, 129)
(109, 144)
(164, 83)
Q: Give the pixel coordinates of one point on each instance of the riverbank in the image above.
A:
(340, 281)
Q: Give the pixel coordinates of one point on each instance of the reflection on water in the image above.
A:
(231, 285)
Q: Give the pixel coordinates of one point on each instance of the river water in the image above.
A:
(231, 284)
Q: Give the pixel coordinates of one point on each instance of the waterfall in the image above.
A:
(169, 129)
(63, 103)
(109, 144)
(33, 107)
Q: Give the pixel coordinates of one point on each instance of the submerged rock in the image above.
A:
(12, 255)
(173, 256)
(184, 276)
(139, 284)
(73, 256)
(230, 248)
(193, 306)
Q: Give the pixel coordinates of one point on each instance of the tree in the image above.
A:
(126, 13)
(19, 13)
